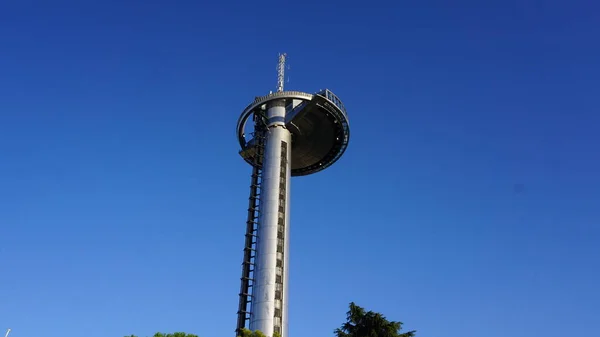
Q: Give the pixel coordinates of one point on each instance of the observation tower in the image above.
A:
(293, 133)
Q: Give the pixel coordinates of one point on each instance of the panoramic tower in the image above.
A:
(293, 134)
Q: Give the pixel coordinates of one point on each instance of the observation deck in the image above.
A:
(318, 124)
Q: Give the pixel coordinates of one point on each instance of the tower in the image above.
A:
(294, 134)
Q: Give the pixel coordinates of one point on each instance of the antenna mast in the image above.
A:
(7, 332)
(281, 72)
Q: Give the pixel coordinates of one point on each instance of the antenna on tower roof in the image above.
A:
(281, 72)
(7, 332)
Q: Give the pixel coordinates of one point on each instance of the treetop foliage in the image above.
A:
(359, 323)
(362, 323)
(257, 333)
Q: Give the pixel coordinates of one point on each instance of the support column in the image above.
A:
(269, 305)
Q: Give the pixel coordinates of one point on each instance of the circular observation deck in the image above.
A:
(318, 124)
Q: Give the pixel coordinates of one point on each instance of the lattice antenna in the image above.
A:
(281, 72)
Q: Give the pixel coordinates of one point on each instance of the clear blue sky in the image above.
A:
(467, 205)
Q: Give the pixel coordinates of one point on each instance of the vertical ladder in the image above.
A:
(248, 263)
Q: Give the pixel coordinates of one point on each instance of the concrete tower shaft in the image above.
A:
(270, 275)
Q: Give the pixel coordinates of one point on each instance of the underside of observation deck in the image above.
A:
(318, 124)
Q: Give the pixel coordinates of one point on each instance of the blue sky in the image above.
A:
(467, 204)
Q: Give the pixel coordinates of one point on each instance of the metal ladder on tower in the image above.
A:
(248, 263)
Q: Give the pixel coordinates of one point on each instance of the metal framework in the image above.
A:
(248, 263)
(281, 72)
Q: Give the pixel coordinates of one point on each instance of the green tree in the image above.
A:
(249, 333)
(256, 333)
(362, 323)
